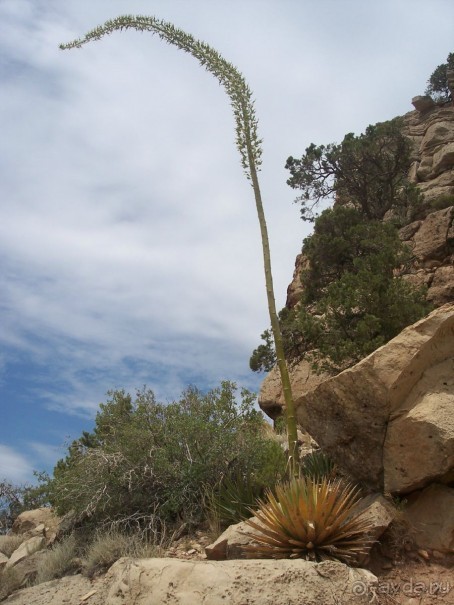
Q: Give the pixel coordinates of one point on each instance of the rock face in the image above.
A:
(257, 582)
(37, 529)
(303, 379)
(375, 413)
(432, 243)
(431, 518)
(38, 522)
(27, 548)
(389, 420)
(432, 132)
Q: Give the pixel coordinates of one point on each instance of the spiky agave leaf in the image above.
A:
(318, 465)
(310, 519)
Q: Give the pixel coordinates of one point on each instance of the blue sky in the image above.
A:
(129, 245)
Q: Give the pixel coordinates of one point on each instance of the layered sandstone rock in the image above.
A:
(430, 515)
(388, 420)
(38, 522)
(432, 134)
(264, 582)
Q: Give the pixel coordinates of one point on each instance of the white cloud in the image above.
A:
(129, 241)
(14, 466)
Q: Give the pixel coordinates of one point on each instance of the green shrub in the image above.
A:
(318, 466)
(309, 519)
(59, 561)
(368, 172)
(352, 301)
(437, 85)
(146, 458)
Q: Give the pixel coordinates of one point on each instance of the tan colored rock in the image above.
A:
(231, 543)
(423, 103)
(41, 521)
(27, 569)
(26, 549)
(3, 560)
(443, 159)
(68, 590)
(296, 288)
(431, 239)
(255, 582)
(419, 444)
(378, 512)
(348, 415)
(431, 518)
(439, 132)
(441, 288)
(302, 378)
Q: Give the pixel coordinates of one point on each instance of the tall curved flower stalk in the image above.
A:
(249, 146)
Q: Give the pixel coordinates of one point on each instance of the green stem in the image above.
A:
(293, 453)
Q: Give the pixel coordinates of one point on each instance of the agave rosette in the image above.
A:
(311, 519)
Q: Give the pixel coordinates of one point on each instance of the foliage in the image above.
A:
(368, 172)
(437, 85)
(148, 458)
(58, 561)
(354, 301)
(14, 499)
(318, 466)
(232, 498)
(264, 356)
(311, 520)
(249, 147)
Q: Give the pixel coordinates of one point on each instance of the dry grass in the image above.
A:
(9, 582)
(8, 544)
(58, 562)
(111, 546)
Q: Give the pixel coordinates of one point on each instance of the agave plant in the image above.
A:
(310, 519)
(233, 497)
(318, 465)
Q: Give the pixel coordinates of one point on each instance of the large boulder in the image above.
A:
(430, 515)
(388, 421)
(230, 544)
(256, 582)
(419, 443)
(38, 522)
(26, 549)
(302, 378)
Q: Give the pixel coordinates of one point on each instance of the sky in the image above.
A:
(129, 244)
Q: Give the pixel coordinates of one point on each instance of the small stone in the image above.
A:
(387, 566)
(424, 554)
(437, 554)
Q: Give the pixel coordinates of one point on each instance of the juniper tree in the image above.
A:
(249, 147)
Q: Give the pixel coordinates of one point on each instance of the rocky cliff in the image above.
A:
(431, 238)
(388, 421)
